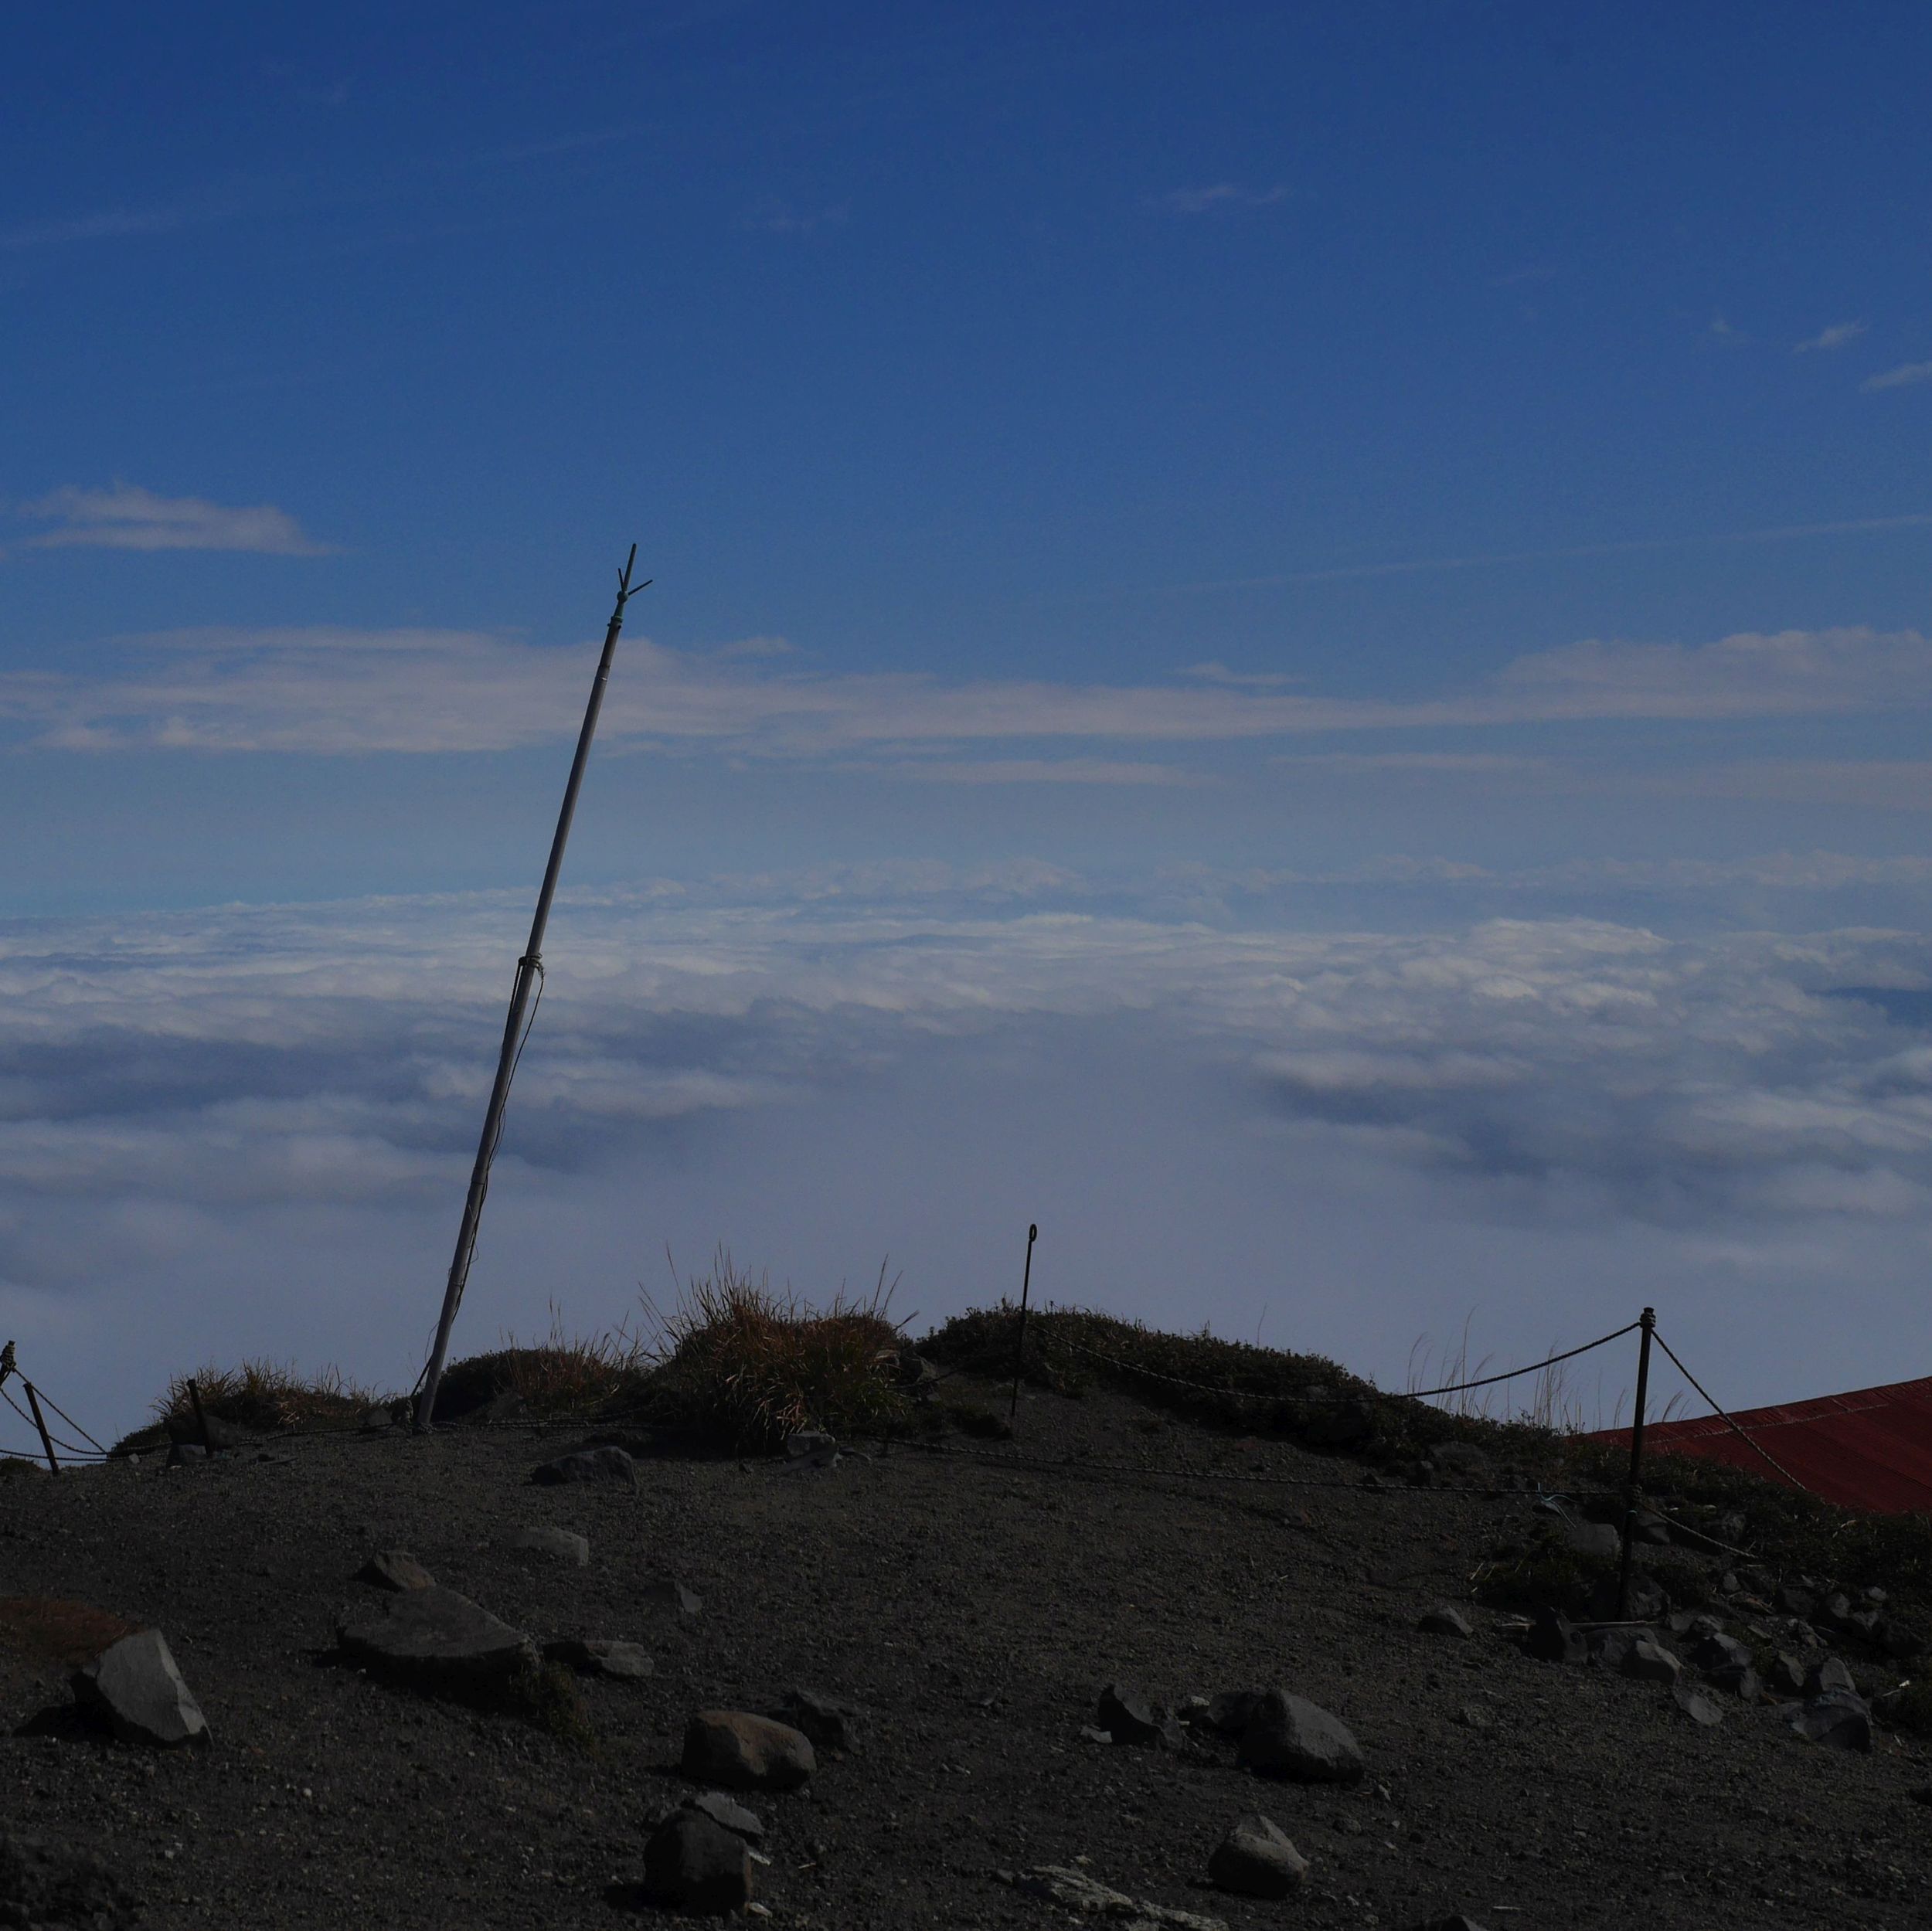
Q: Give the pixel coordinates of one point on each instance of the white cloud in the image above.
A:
(1223, 194)
(332, 690)
(1907, 375)
(1045, 771)
(125, 518)
(1837, 335)
(287, 1098)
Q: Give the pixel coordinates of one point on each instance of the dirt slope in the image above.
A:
(974, 1607)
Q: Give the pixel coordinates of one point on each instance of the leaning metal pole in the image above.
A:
(529, 970)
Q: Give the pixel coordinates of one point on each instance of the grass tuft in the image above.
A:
(742, 1365)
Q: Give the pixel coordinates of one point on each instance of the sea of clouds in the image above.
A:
(247, 1130)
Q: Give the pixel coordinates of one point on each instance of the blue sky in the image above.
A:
(1444, 486)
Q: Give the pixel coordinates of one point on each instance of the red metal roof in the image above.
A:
(1870, 1449)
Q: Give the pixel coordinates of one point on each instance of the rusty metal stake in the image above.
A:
(1633, 1486)
(46, 1440)
(1019, 1345)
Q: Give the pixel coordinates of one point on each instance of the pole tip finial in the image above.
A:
(1032, 1232)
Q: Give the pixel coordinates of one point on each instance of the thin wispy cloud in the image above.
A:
(1222, 196)
(773, 217)
(1839, 336)
(1907, 375)
(422, 690)
(126, 517)
(107, 224)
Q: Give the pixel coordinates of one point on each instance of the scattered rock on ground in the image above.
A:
(589, 1465)
(600, 1655)
(1232, 1710)
(134, 1685)
(436, 1637)
(670, 1596)
(830, 1724)
(1647, 1661)
(692, 1863)
(741, 1751)
(1717, 1651)
(1839, 1719)
(1129, 1717)
(721, 1809)
(1288, 1736)
(1257, 1860)
(1552, 1638)
(1444, 1620)
(559, 1544)
(1696, 1706)
(395, 1568)
(1069, 1886)
(1829, 1673)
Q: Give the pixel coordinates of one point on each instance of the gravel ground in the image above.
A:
(974, 1607)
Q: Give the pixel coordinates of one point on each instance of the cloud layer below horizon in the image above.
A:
(248, 1130)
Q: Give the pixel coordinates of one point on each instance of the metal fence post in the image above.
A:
(1632, 1485)
(1019, 1345)
(46, 1440)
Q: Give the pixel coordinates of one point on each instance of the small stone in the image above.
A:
(1288, 1736)
(1717, 1651)
(1787, 1675)
(1792, 1600)
(1838, 1719)
(1829, 1674)
(671, 1597)
(1696, 1706)
(1475, 1716)
(830, 1724)
(1739, 1679)
(610, 1465)
(741, 1751)
(1444, 1621)
(1090, 1733)
(691, 1863)
(135, 1685)
(435, 1636)
(1232, 1711)
(559, 1544)
(600, 1655)
(1647, 1661)
(1127, 1716)
(1835, 1611)
(812, 1442)
(1256, 1859)
(721, 1809)
(395, 1568)
(1552, 1638)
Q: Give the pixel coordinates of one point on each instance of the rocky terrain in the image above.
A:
(977, 1682)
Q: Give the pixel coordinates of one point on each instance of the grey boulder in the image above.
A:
(135, 1685)
(600, 1655)
(559, 1544)
(692, 1863)
(1839, 1719)
(607, 1464)
(828, 1723)
(1647, 1661)
(1288, 1736)
(433, 1636)
(1257, 1860)
(396, 1569)
(741, 1751)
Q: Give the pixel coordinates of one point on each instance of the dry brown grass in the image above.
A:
(51, 1630)
(744, 1365)
(269, 1395)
